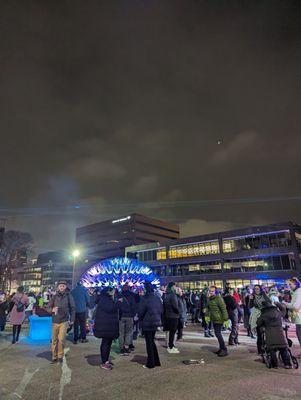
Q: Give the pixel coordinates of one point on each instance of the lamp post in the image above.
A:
(75, 255)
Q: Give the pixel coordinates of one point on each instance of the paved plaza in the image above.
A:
(26, 373)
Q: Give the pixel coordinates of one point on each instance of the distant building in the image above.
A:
(110, 238)
(55, 266)
(262, 254)
(32, 277)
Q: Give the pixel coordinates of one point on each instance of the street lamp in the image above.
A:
(75, 255)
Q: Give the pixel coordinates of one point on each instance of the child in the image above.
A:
(271, 320)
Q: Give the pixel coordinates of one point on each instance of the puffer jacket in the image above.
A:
(150, 311)
(217, 309)
(106, 324)
(171, 306)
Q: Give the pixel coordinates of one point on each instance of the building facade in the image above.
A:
(262, 254)
(55, 266)
(110, 238)
(32, 277)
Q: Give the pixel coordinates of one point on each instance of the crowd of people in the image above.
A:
(123, 314)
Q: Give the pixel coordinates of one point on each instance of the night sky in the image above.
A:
(168, 108)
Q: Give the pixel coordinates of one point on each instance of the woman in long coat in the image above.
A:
(17, 315)
(106, 324)
(150, 311)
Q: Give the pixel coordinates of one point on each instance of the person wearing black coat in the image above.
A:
(150, 311)
(106, 324)
(271, 319)
(171, 315)
(4, 306)
(233, 316)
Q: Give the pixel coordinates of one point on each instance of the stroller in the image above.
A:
(266, 356)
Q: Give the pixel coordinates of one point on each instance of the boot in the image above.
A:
(210, 334)
(206, 334)
(223, 353)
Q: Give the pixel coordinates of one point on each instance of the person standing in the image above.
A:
(207, 325)
(3, 311)
(62, 307)
(182, 313)
(294, 306)
(171, 311)
(106, 324)
(127, 311)
(232, 309)
(82, 302)
(246, 301)
(150, 311)
(31, 305)
(256, 300)
(240, 310)
(17, 315)
(219, 317)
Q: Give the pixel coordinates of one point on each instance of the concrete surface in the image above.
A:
(26, 373)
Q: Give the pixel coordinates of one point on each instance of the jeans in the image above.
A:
(126, 328)
(80, 322)
(298, 332)
(218, 333)
(151, 348)
(58, 341)
(105, 349)
(233, 316)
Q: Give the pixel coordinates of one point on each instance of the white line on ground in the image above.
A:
(24, 382)
(66, 375)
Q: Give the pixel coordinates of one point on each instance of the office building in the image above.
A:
(269, 253)
(55, 266)
(110, 238)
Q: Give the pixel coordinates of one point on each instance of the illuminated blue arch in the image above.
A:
(118, 271)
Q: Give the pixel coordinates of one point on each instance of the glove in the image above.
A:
(226, 324)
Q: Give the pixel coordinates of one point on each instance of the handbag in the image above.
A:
(20, 306)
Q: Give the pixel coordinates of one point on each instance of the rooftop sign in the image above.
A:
(116, 221)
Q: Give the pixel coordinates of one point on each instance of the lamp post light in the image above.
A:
(75, 255)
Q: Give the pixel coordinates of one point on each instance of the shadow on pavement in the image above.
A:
(139, 359)
(45, 354)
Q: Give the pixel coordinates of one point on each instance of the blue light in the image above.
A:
(40, 328)
(117, 272)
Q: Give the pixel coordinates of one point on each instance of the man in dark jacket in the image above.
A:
(82, 300)
(232, 310)
(171, 315)
(127, 312)
(271, 319)
(63, 313)
(150, 311)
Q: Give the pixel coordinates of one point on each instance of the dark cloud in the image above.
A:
(111, 104)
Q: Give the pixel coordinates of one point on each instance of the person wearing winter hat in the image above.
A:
(62, 307)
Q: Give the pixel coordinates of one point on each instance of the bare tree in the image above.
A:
(15, 244)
